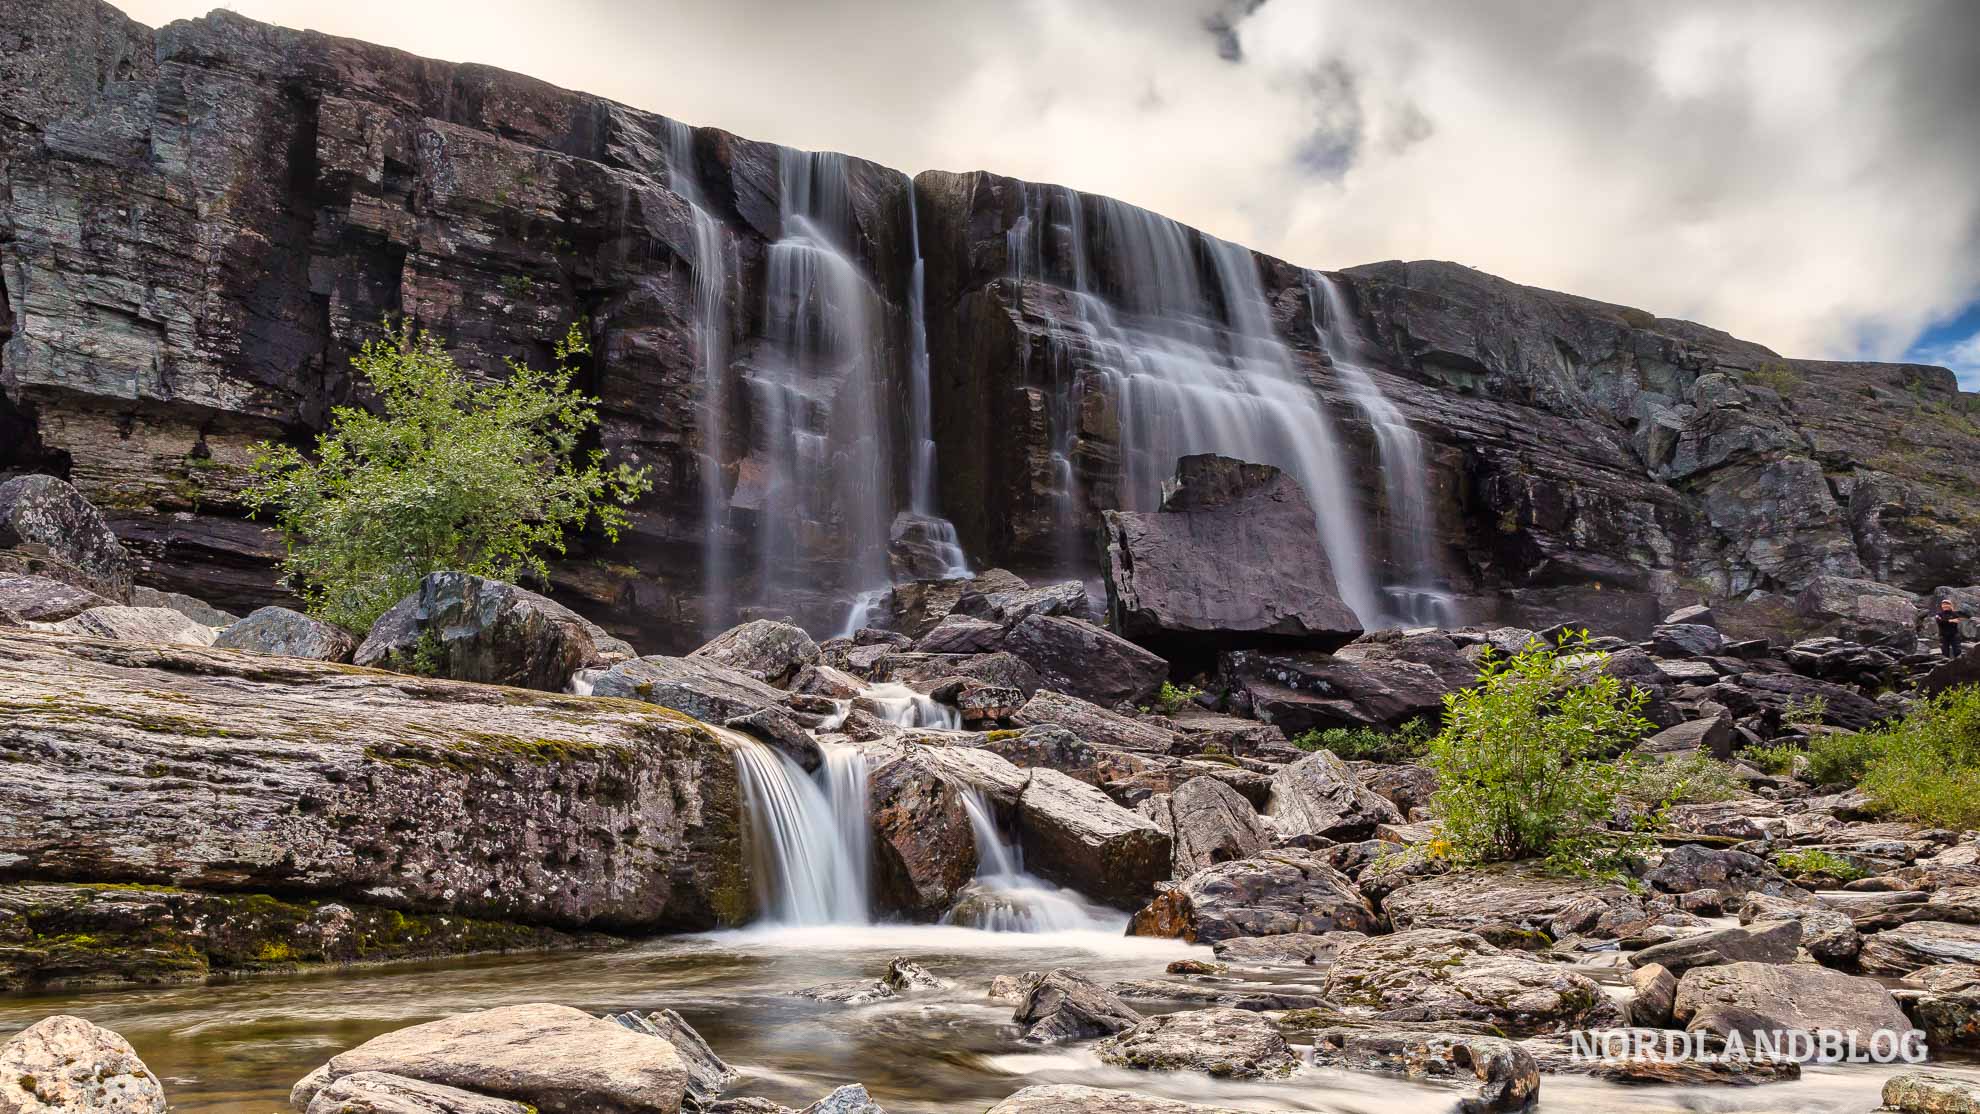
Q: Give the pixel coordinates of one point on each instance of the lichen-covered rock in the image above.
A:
(1828, 934)
(280, 632)
(39, 599)
(924, 850)
(46, 513)
(1074, 835)
(119, 623)
(1096, 725)
(192, 607)
(707, 1075)
(556, 1059)
(65, 1065)
(469, 628)
(1508, 1078)
(1075, 657)
(708, 692)
(1278, 891)
(1065, 1005)
(1931, 1092)
(849, 1099)
(1908, 947)
(1211, 823)
(1289, 949)
(769, 651)
(1070, 1099)
(1784, 996)
(1695, 867)
(1437, 975)
(1225, 1043)
(1517, 906)
(1319, 796)
(1772, 943)
(1656, 992)
(210, 769)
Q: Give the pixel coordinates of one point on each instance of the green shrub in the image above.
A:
(1693, 779)
(445, 473)
(1170, 699)
(1774, 758)
(1796, 863)
(1369, 744)
(1521, 763)
(1926, 767)
(1842, 758)
(1806, 711)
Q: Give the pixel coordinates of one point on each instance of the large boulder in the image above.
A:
(769, 651)
(1508, 1078)
(1861, 610)
(1772, 943)
(1517, 906)
(1065, 1005)
(65, 1065)
(1745, 997)
(45, 514)
(1302, 692)
(697, 687)
(1440, 975)
(1211, 823)
(1095, 724)
(1064, 1098)
(377, 1092)
(1074, 656)
(280, 632)
(924, 850)
(1827, 933)
(1962, 670)
(470, 628)
(1693, 867)
(138, 624)
(192, 607)
(208, 769)
(1931, 1092)
(39, 599)
(1232, 560)
(1225, 1043)
(1908, 947)
(1282, 891)
(556, 1059)
(1075, 835)
(1319, 796)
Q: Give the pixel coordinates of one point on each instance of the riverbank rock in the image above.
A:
(1069, 1099)
(556, 1059)
(280, 632)
(1075, 657)
(1908, 947)
(1508, 1079)
(1299, 692)
(1096, 725)
(1273, 892)
(469, 628)
(1073, 834)
(1751, 996)
(1513, 905)
(1065, 1005)
(67, 1065)
(1211, 823)
(377, 1092)
(1931, 1092)
(1774, 943)
(924, 849)
(850, 1099)
(1224, 1043)
(707, 1075)
(118, 623)
(771, 652)
(1231, 560)
(1436, 975)
(1289, 949)
(208, 769)
(1319, 796)
(45, 514)
(39, 599)
(1828, 933)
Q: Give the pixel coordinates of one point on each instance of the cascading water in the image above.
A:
(809, 843)
(711, 279)
(1185, 378)
(1417, 599)
(938, 534)
(1004, 898)
(821, 486)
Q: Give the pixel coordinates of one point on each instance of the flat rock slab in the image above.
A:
(376, 1092)
(1067, 1099)
(1225, 1043)
(557, 1059)
(1754, 996)
(1282, 890)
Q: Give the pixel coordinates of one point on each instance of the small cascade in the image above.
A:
(809, 843)
(711, 280)
(1189, 373)
(938, 533)
(1004, 898)
(821, 484)
(1418, 598)
(904, 707)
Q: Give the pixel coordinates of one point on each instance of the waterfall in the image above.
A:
(1418, 598)
(822, 486)
(711, 279)
(1185, 377)
(809, 844)
(1004, 898)
(904, 707)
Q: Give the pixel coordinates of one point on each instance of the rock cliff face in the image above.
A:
(200, 224)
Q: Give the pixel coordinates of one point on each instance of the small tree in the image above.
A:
(445, 474)
(1523, 762)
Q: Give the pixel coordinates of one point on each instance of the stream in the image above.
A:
(237, 1047)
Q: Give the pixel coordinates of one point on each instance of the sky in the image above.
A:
(1803, 173)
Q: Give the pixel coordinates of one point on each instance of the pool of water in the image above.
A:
(237, 1047)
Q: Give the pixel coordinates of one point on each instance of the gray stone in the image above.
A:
(192, 607)
(38, 599)
(45, 512)
(1211, 823)
(65, 1064)
(1908, 947)
(1774, 943)
(1319, 796)
(1751, 996)
(1224, 1043)
(470, 628)
(1272, 892)
(1097, 725)
(1065, 1005)
(1438, 975)
(158, 625)
(1656, 993)
(375, 1092)
(1070, 1099)
(769, 651)
(1508, 1078)
(1074, 835)
(1290, 949)
(280, 632)
(1075, 657)
(1931, 1092)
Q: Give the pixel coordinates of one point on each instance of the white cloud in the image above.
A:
(1805, 174)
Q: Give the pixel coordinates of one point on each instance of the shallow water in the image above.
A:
(235, 1048)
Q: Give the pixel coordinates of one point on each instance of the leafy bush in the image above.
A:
(1773, 758)
(1694, 779)
(444, 474)
(1926, 767)
(1806, 711)
(1796, 863)
(1521, 763)
(1369, 744)
(1842, 758)
(1170, 699)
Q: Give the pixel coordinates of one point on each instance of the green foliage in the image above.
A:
(1842, 758)
(1806, 711)
(1775, 758)
(1170, 699)
(444, 474)
(1926, 767)
(1371, 744)
(1691, 779)
(1522, 762)
(1775, 375)
(1796, 863)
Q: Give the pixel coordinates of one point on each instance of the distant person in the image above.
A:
(1949, 618)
